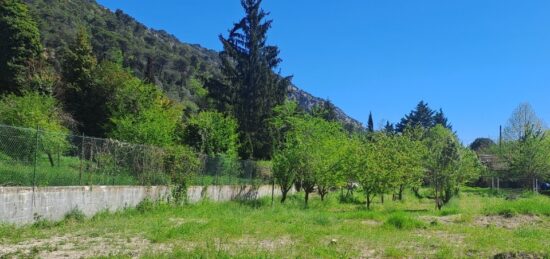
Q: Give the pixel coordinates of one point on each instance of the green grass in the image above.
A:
(67, 172)
(329, 229)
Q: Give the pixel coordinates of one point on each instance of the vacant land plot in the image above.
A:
(477, 224)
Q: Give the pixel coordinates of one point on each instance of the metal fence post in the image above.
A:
(35, 159)
(81, 158)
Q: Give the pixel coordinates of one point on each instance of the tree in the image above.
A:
(370, 123)
(526, 146)
(33, 110)
(248, 64)
(442, 163)
(439, 118)
(369, 164)
(138, 112)
(482, 144)
(409, 166)
(325, 110)
(522, 120)
(19, 46)
(389, 128)
(84, 98)
(422, 116)
(287, 165)
(212, 133)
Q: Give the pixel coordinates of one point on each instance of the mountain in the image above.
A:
(170, 61)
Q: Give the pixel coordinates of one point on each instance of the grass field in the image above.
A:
(478, 224)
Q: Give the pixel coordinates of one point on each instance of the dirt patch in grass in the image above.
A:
(512, 255)
(445, 220)
(74, 246)
(507, 222)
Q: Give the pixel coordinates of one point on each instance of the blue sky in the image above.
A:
(475, 59)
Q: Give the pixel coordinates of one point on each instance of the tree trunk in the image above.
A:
(323, 192)
(382, 198)
(306, 197)
(283, 196)
(51, 159)
(368, 201)
(416, 192)
(400, 194)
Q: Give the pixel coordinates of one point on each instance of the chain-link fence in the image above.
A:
(33, 157)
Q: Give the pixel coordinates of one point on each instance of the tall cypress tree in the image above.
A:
(370, 125)
(19, 45)
(248, 65)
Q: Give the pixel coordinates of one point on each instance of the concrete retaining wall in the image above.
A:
(21, 205)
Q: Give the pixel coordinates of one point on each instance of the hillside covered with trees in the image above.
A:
(152, 55)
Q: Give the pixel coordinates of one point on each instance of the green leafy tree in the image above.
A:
(248, 64)
(325, 110)
(140, 113)
(288, 163)
(369, 164)
(212, 133)
(33, 110)
(408, 165)
(442, 163)
(19, 46)
(526, 146)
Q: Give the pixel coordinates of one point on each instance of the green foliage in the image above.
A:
(254, 89)
(423, 116)
(154, 125)
(212, 133)
(310, 151)
(525, 147)
(449, 164)
(75, 215)
(536, 205)
(482, 144)
(32, 110)
(137, 112)
(181, 163)
(19, 46)
(174, 63)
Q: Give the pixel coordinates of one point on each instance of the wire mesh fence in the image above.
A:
(33, 157)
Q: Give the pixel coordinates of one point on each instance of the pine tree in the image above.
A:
(248, 65)
(439, 118)
(389, 128)
(19, 45)
(422, 116)
(370, 125)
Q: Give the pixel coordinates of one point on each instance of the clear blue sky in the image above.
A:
(475, 59)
